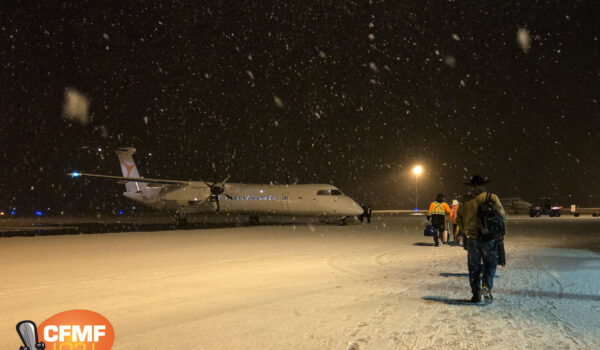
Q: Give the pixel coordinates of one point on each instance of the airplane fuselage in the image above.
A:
(252, 199)
(189, 197)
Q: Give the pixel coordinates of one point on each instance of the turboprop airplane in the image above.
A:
(189, 197)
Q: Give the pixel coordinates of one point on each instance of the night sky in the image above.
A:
(342, 92)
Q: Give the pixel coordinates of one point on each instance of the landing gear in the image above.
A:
(254, 220)
(180, 220)
(341, 222)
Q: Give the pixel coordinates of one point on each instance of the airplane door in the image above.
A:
(284, 200)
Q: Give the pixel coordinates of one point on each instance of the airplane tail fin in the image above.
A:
(129, 169)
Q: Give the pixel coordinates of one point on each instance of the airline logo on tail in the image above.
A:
(128, 167)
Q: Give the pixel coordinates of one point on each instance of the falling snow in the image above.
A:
(316, 93)
(76, 106)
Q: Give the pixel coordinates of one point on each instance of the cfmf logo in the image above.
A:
(69, 330)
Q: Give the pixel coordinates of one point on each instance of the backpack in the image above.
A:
(490, 225)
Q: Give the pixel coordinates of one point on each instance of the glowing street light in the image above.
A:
(417, 170)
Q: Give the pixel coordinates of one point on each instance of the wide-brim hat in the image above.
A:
(477, 180)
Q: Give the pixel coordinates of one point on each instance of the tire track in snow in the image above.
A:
(531, 318)
(564, 325)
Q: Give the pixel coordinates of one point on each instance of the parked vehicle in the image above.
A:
(544, 206)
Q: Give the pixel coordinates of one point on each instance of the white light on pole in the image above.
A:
(417, 170)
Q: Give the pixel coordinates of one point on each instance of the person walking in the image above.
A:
(481, 247)
(453, 213)
(437, 215)
(367, 212)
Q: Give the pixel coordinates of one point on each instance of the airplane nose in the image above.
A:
(356, 209)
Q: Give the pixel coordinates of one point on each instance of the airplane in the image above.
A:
(190, 197)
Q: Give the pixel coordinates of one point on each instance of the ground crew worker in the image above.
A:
(479, 248)
(367, 211)
(437, 214)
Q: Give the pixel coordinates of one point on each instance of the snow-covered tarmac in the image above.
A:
(377, 286)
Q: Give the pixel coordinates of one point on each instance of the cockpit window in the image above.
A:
(329, 193)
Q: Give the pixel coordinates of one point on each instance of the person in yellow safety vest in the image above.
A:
(437, 214)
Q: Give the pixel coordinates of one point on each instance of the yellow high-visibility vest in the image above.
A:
(438, 210)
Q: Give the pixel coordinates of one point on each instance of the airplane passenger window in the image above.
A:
(274, 198)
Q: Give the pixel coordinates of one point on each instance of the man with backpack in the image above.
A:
(483, 220)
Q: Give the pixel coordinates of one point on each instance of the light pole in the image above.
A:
(417, 170)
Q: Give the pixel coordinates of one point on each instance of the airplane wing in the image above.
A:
(141, 179)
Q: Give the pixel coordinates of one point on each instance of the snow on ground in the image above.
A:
(377, 286)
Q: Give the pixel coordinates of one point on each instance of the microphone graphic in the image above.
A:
(28, 333)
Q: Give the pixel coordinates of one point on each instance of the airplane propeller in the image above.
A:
(216, 189)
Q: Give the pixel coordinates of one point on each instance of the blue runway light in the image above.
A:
(39, 213)
(75, 174)
(12, 212)
(416, 209)
(120, 212)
